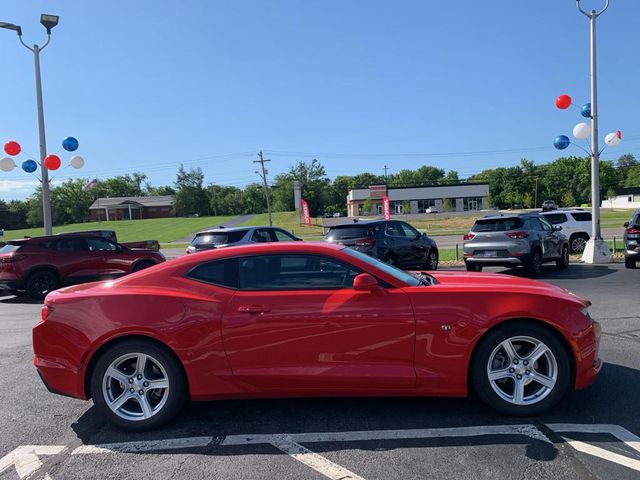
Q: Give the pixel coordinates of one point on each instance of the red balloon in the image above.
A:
(52, 162)
(12, 148)
(563, 101)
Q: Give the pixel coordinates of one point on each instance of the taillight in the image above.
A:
(367, 242)
(12, 258)
(632, 231)
(468, 236)
(46, 310)
(517, 235)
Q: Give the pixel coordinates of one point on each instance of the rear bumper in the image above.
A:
(498, 261)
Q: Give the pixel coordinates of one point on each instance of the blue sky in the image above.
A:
(145, 85)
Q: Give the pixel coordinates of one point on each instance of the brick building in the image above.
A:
(132, 208)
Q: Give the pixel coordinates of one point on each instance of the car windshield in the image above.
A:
(497, 224)
(218, 238)
(347, 232)
(401, 275)
(8, 248)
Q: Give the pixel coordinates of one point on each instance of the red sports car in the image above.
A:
(306, 319)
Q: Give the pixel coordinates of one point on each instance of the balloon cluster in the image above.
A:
(582, 130)
(51, 162)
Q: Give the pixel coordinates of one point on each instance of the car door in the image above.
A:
(416, 246)
(108, 259)
(554, 243)
(398, 243)
(70, 256)
(297, 323)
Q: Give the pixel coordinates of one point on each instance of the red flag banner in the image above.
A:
(385, 208)
(305, 212)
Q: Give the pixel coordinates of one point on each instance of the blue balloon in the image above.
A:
(585, 111)
(70, 144)
(561, 142)
(29, 166)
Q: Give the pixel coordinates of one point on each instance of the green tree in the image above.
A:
(568, 200)
(633, 177)
(191, 197)
(314, 184)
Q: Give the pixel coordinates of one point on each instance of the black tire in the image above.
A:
(537, 403)
(40, 283)
(629, 262)
(142, 265)
(563, 261)
(534, 267)
(472, 267)
(577, 242)
(432, 260)
(161, 362)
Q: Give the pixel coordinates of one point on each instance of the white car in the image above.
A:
(576, 225)
(431, 210)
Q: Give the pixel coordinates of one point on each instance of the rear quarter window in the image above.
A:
(218, 238)
(223, 273)
(556, 218)
(344, 233)
(497, 225)
(582, 216)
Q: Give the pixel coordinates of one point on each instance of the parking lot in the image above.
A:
(592, 434)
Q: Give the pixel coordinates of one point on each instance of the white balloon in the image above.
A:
(7, 164)
(77, 162)
(582, 131)
(613, 139)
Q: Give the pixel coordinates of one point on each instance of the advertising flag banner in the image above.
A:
(305, 212)
(385, 208)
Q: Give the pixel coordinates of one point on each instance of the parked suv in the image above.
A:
(40, 265)
(576, 225)
(392, 241)
(225, 237)
(632, 241)
(528, 240)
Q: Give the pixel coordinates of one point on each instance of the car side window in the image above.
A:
(294, 272)
(556, 218)
(223, 273)
(71, 245)
(582, 216)
(546, 226)
(395, 230)
(101, 244)
(282, 236)
(261, 235)
(409, 231)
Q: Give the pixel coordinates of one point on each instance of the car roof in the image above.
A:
(57, 236)
(497, 216)
(222, 229)
(357, 222)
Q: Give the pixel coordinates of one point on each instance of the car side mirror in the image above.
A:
(557, 228)
(365, 282)
(626, 224)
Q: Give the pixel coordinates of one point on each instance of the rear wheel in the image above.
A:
(137, 385)
(521, 369)
(535, 264)
(629, 262)
(40, 283)
(563, 261)
(578, 241)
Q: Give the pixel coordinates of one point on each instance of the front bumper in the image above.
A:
(588, 361)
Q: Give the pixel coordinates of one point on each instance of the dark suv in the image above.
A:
(511, 240)
(392, 241)
(40, 265)
(632, 241)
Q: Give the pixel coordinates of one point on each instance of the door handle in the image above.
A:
(253, 309)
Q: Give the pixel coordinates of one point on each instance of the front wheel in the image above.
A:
(535, 264)
(521, 369)
(629, 262)
(563, 261)
(137, 385)
(432, 260)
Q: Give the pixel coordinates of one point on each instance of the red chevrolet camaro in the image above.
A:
(307, 319)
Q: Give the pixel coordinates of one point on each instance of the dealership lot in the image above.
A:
(593, 434)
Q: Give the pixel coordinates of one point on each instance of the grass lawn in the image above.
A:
(162, 229)
(615, 218)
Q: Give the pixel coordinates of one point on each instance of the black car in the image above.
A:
(632, 241)
(392, 241)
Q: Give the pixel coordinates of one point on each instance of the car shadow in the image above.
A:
(18, 299)
(573, 272)
(221, 419)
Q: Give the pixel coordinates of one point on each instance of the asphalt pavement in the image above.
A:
(593, 434)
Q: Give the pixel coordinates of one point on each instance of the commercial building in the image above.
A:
(460, 197)
(625, 198)
(132, 208)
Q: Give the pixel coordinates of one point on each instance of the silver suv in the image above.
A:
(632, 241)
(225, 237)
(575, 223)
(527, 240)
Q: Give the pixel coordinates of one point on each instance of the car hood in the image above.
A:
(504, 283)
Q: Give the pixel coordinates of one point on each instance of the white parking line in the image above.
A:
(26, 459)
(604, 454)
(144, 446)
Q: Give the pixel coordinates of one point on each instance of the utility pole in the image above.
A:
(535, 198)
(263, 175)
(385, 172)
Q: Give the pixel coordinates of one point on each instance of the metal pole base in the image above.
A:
(596, 252)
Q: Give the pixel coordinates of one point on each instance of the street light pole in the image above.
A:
(596, 250)
(48, 21)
